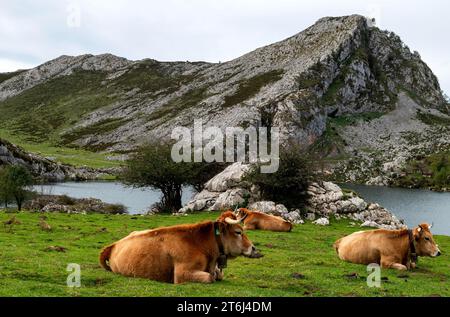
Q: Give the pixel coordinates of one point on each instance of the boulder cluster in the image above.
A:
(228, 189)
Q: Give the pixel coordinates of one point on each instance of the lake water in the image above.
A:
(413, 205)
(135, 199)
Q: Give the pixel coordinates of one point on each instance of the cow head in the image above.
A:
(242, 213)
(424, 242)
(235, 241)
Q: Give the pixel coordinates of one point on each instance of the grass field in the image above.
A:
(299, 263)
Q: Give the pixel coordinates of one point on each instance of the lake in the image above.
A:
(135, 199)
(413, 205)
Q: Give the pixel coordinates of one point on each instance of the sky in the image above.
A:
(32, 32)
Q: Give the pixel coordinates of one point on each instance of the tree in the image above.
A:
(152, 166)
(5, 193)
(289, 183)
(14, 182)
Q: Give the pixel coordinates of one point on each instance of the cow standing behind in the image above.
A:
(182, 253)
(258, 220)
(396, 249)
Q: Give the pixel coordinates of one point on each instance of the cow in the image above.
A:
(254, 220)
(181, 253)
(397, 249)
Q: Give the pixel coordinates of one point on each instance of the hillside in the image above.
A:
(354, 93)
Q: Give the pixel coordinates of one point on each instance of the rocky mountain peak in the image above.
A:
(322, 87)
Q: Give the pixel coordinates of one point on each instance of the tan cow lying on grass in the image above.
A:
(182, 253)
(396, 249)
(259, 220)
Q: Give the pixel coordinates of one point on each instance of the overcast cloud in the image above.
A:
(32, 32)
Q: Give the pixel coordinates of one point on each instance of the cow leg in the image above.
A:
(187, 274)
(218, 274)
(389, 263)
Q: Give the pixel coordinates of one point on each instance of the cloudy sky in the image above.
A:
(32, 32)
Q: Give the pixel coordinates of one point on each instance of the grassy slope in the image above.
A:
(66, 155)
(431, 171)
(34, 118)
(38, 118)
(26, 269)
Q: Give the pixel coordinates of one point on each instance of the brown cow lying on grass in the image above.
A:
(182, 253)
(259, 220)
(396, 249)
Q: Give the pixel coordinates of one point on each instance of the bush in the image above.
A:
(15, 181)
(114, 209)
(66, 200)
(289, 184)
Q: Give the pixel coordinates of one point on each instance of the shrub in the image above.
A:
(289, 184)
(114, 209)
(15, 181)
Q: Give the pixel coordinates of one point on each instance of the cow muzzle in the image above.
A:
(253, 253)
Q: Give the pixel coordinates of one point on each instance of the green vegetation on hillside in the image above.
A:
(330, 144)
(40, 118)
(6, 76)
(39, 113)
(65, 155)
(98, 128)
(431, 119)
(430, 171)
(251, 86)
(150, 76)
(299, 263)
(176, 105)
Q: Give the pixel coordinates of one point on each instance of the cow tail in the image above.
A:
(104, 257)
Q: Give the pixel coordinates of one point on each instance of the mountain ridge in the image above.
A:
(337, 68)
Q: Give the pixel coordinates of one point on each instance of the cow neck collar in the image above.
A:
(222, 260)
(412, 248)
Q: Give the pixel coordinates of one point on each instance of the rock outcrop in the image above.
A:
(223, 191)
(329, 200)
(227, 190)
(45, 168)
(65, 204)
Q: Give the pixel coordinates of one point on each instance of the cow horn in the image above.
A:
(431, 225)
(232, 221)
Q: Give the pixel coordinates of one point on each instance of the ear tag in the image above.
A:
(217, 232)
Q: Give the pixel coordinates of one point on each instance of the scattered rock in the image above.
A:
(310, 216)
(44, 225)
(298, 275)
(56, 248)
(322, 222)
